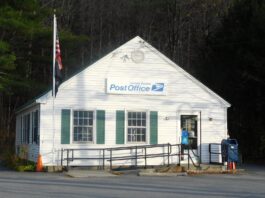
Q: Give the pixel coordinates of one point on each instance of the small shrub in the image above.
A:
(23, 168)
(12, 161)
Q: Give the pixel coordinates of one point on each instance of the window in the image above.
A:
(35, 127)
(26, 129)
(136, 127)
(21, 129)
(83, 126)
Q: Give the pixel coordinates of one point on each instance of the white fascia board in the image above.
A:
(43, 99)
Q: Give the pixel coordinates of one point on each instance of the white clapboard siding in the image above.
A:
(29, 151)
(87, 90)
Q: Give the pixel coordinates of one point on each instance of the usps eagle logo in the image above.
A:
(158, 87)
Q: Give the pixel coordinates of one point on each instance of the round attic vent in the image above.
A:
(137, 56)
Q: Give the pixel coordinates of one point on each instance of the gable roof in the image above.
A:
(43, 97)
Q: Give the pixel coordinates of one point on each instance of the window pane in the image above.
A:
(129, 123)
(129, 131)
(75, 113)
(90, 114)
(138, 131)
(129, 138)
(139, 138)
(90, 122)
(75, 121)
(90, 133)
(143, 135)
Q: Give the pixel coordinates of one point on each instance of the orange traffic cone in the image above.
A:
(39, 167)
(230, 165)
(234, 166)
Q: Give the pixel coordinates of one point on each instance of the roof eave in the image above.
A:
(26, 106)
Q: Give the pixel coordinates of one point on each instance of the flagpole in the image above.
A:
(53, 85)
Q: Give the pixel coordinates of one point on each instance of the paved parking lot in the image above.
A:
(249, 184)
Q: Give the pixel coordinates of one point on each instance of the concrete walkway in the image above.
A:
(77, 173)
(88, 173)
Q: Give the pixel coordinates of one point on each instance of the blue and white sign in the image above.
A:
(136, 87)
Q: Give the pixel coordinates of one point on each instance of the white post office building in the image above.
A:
(133, 96)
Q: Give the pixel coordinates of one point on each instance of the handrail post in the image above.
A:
(168, 154)
(145, 157)
(103, 159)
(178, 154)
(110, 159)
(72, 155)
(67, 160)
(62, 157)
(136, 156)
(188, 158)
(210, 157)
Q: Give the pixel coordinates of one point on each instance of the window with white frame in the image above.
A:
(26, 129)
(136, 128)
(83, 126)
(35, 127)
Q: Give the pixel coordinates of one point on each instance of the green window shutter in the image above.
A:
(153, 127)
(100, 127)
(65, 126)
(120, 122)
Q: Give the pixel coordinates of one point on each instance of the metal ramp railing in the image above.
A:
(215, 153)
(132, 153)
(191, 151)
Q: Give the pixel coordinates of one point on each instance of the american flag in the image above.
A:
(58, 53)
(58, 65)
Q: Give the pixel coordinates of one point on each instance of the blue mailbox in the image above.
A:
(230, 150)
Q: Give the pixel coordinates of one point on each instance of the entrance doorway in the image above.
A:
(189, 123)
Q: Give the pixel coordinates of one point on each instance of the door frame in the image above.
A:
(199, 134)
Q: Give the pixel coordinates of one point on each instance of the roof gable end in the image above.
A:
(137, 40)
